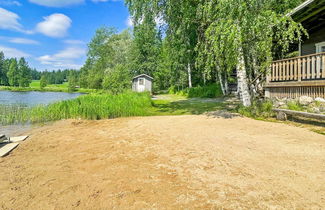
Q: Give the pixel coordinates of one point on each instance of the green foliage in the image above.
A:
(24, 73)
(259, 110)
(117, 79)
(108, 52)
(294, 105)
(13, 73)
(209, 91)
(145, 48)
(73, 81)
(93, 107)
(43, 82)
(55, 77)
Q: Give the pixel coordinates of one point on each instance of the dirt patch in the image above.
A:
(177, 162)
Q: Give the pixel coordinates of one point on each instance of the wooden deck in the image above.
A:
(294, 77)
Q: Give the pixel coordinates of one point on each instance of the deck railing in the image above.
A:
(294, 77)
(303, 68)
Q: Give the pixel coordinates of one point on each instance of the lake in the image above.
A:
(33, 98)
(30, 99)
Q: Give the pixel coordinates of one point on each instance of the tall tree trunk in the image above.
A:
(204, 79)
(221, 83)
(243, 89)
(226, 85)
(189, 72)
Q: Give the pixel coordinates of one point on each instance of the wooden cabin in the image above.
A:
(303, 75)
(142, 83)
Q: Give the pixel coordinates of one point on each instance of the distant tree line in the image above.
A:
(14, 72)
(17, 73)
(56, 77)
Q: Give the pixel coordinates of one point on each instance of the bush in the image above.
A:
(259, 109)
(293, 105)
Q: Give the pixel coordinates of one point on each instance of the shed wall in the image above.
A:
(148, 84)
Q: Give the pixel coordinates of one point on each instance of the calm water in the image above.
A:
(32, 98)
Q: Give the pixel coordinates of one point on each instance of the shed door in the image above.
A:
(141, 86)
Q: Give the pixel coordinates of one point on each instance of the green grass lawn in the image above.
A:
(179, 105)
(36, 84)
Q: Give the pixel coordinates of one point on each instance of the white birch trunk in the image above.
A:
(243, 89)
(204, 79)
(189, 72)
(226, 85)
(221, 84)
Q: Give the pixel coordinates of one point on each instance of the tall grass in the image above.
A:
(12, 114)
(93, 107)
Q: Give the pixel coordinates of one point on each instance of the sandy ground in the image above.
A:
(174, 162)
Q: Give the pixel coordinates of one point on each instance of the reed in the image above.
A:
(93, 107)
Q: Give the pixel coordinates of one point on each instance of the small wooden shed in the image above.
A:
(142, 83)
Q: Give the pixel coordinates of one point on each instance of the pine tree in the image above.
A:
(25, 76)
(13, 73)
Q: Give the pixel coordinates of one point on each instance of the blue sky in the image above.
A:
(53, 34)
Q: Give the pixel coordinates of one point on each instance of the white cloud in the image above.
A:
(12, 52)
(10, 3)
(57, 3)
(74, 42)
(23, 41)
(104, 0)
(55, 25)
(9, 20)
(66, 58)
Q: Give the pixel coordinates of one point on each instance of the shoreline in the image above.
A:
(13, 130)
(46, 89)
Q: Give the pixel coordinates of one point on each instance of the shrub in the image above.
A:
(293, 105)
(258, 109)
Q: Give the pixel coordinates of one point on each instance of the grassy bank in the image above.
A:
(35, 86)
(93, 106)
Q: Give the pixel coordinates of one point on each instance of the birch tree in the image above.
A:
(240, 34)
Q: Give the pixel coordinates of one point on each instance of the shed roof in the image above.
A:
(143, 75)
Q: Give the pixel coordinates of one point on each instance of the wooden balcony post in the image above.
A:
(313, 67)
(269, 74)
(318, 66)
(299, 69)
(323, 68)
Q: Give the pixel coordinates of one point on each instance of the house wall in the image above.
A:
(308, 47)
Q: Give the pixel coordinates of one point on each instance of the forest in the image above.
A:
(194, 44)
